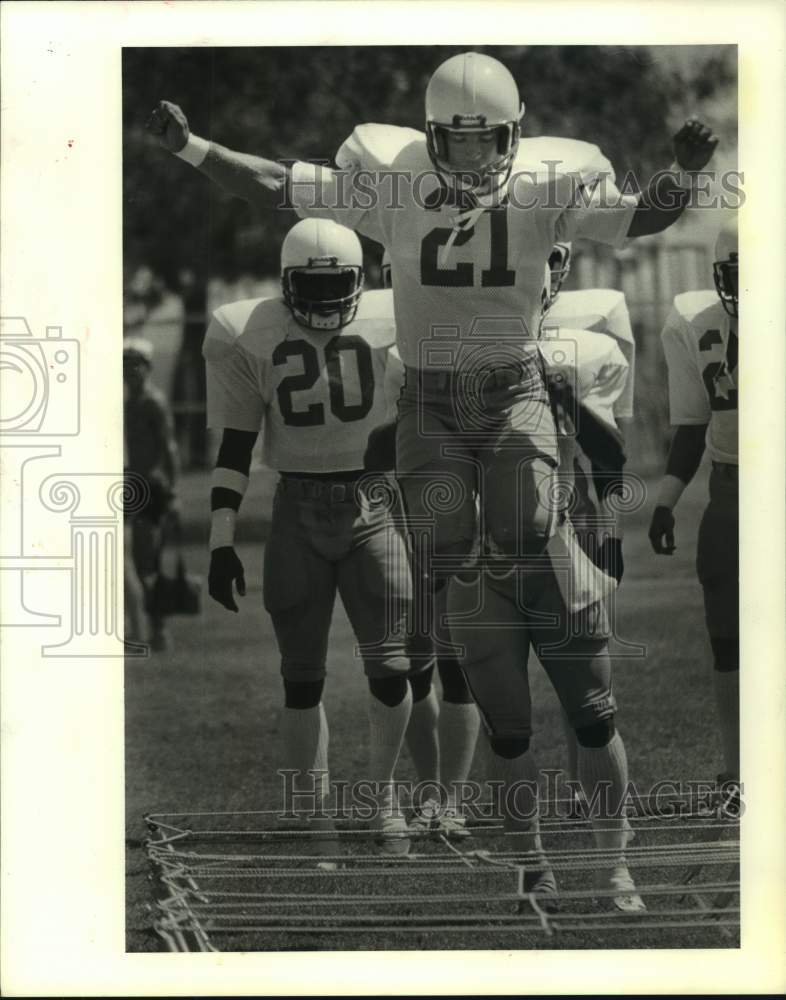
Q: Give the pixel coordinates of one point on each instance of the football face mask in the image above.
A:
(726, 275)
(323, 295)
(476, 157)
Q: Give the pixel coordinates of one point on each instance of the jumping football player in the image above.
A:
(441, 737)
(314, 370)
(700, 344)
(469, 237)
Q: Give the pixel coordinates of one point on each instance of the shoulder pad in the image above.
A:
(578, 348)
(589, 308)
(690, 304)
(380, 147)
(572, 155)
(374, 319)
(248, 318)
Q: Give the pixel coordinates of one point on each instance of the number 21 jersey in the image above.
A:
(457, 267)
(317, 395)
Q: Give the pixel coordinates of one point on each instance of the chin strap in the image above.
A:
(474, 206)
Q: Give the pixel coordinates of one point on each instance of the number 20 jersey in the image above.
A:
(316, 394)
(453, 269)
(700, 344)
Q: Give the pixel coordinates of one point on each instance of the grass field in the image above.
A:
(202, 721)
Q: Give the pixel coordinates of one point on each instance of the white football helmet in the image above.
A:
(473, 99)
(387, 277)
(322, 274)
(725, 269)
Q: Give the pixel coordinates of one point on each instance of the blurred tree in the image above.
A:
(304, 102)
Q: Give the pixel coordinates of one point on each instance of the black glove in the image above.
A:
(380, 454)
(609, 558)
(662, 531)
(225, 569)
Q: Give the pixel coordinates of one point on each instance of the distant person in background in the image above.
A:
(188, 385)
(152, 454)
(155, 313)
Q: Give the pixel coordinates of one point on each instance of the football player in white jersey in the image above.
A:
(700, 344)
(596, 324)
(600, 311)
(469, 236)
(314, 371)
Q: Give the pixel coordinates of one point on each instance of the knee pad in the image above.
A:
(598, 735)
(303, 694)
(727, 654)
(508, 748)
(421, 684)
(391, 691)
(454, 685)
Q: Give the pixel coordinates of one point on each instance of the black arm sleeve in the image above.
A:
(234, 453)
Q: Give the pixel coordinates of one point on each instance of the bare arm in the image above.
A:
(251, 178)
(665, 199)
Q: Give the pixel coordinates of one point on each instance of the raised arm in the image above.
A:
(251, 178)
(668, 193)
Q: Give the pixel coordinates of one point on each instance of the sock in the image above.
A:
(608, 767)
(519, 813)
(458, 734)
(572, 745)
(422, 739)
(305, 737)
(727, 697)
(386, 730)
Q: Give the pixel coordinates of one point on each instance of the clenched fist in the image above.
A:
(169, 125)
(694, 145)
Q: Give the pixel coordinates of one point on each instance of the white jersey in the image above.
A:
(601, 310)
(464, 273)
(316, 394)
(594, 365)
(700, 344)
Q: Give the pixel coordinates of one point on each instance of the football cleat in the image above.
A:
(424, 818)
(619, 881)
(539, 883)
(323, 841)
(473, 113)
(432, 818)
(452, 824)
(321, 274)
(392, 833)
(725, 269)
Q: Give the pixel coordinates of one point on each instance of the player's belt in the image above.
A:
(334, 491)
(727, 469)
